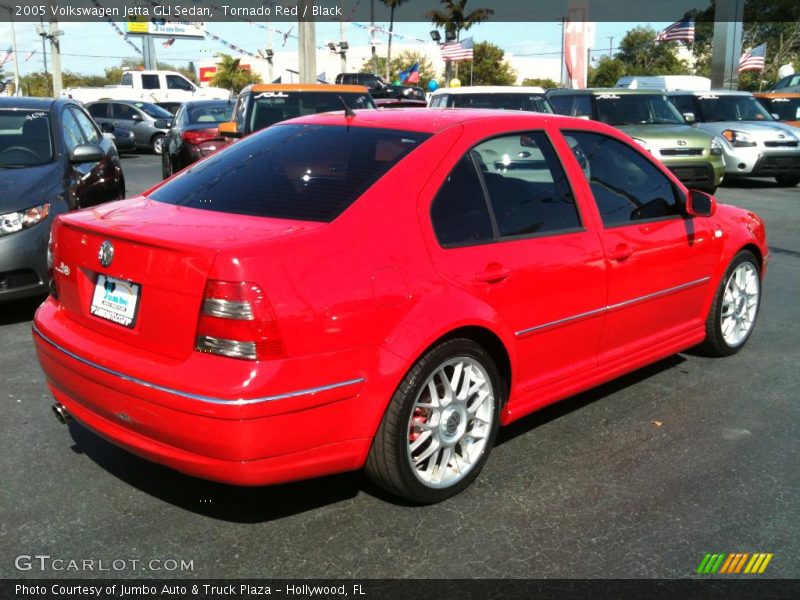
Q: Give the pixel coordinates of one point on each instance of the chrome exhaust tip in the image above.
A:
(61, 413)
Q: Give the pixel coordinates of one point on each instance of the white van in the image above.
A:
(665, 82)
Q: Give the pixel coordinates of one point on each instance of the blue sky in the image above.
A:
(88, 48)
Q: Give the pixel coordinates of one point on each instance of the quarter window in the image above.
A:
(459, 212)
(99, 111)
(626, 186)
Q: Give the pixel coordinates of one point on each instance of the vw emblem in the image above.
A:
(106, 254)
(781, 136)
(681, 142)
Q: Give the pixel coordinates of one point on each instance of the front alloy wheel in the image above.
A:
(733, 314)
(440, 425)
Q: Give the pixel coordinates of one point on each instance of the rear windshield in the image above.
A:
(210, 113)
(787, 109)
(303, 172)
(268, 108)
(153, 110)
(25, 138)
(529, 102)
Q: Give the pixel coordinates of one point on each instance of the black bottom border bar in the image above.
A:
(729, 588)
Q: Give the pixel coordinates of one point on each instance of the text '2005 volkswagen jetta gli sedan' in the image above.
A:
(384, 290)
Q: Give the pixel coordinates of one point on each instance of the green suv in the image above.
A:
(695, 157)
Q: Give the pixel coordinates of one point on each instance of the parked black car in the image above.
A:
(53, 158)
(194, 134)
(379, 87)
(148, 122)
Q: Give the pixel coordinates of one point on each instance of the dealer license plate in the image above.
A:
(115, 300)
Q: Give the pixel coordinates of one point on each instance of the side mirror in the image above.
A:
(689, 117)
(106, 128)
(86, 153)
(229, 129)
(160, 124)
(136, 117)
(700, 204)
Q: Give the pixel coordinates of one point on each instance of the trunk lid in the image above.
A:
(162, 257)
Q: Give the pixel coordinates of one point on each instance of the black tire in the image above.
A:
(388, 463)
(788, 180)
(157, 143)
(715, 343)
(166, 167)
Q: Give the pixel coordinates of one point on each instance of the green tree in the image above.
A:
(392, 4)
(642, 55)
(489, 66)
(231, 76)
(544, 82)
(607, 72)
(454, 19)
(402, 62)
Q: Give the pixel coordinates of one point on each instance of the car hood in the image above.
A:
(669, 136)
(771, 131)
(31, 186)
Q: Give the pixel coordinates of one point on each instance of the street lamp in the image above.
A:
(341, 49)
(436, 36)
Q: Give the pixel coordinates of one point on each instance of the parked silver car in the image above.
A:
(753, 142)
(148, 122)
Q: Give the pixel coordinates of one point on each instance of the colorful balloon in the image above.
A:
(455, 83)
(433, 85)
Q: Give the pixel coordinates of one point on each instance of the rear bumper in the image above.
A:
(299, 432)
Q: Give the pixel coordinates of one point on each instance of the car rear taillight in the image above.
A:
(237, 320)
(198, 136)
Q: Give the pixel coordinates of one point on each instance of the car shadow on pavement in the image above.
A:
(268, 503)
(19, 311)
(573, 403)
(216, 500)
(749, 183)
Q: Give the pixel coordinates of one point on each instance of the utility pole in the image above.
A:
(307, 47)
(270, 53)
(41, 31)
(55, 51)
(610, 45)
(563, 33)
(17, 91)
(372, 36)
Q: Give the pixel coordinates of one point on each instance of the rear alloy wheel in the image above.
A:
(158, 144)
(788, 180)
(440, 426)
(733, 314)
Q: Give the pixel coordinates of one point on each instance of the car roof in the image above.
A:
(29, 102)
(434, 120)
(491, 89)
(709, 92)
(304, 87)
(776, 94)
(601, 91)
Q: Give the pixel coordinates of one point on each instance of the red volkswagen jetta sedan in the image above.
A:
(384, 291)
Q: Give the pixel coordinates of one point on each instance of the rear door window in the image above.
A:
(99, 110)
(150, 82)
(304, 172)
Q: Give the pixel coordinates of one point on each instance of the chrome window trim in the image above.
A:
(611, 307)
(197, 397)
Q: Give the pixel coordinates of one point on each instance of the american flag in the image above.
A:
(168, 43)
(754, 59)
(455, 51)
(682, 30)
(7, 56)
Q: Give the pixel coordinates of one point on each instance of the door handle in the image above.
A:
(620, 252)
(493, 273)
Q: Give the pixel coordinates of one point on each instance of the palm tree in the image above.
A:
(392, 4)
(454, 19)
(231, 76)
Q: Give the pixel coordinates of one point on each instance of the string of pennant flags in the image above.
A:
(116, 28)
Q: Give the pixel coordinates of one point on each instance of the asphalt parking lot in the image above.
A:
(638, 478)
